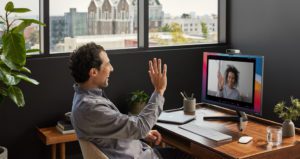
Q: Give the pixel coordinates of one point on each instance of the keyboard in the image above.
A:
(206, 132)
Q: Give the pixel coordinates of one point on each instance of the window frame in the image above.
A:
(142, 34)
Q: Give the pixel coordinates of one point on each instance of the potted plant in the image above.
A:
(13, 57)
(288, 114)
(137, 101)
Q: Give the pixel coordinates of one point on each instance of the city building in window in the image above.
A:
(120, 16)
(75, 23)
(57, 30)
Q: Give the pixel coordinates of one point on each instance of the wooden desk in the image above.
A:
(50, 136)
(204, 148)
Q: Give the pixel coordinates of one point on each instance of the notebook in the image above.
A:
(177, 117)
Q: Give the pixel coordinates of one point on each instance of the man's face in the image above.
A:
(231, 79)
(102, 76)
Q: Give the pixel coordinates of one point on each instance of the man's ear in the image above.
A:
(93, 72)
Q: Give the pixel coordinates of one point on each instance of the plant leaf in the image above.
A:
(27, 79)
(16, 95)
(14, 52)
(20, 10)
(7, 77)
(3, 92)
(9, 6)
(33, 21)
(21, 27)
(33, 50)
(25, 69)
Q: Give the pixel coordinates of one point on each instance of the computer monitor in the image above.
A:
(233, 81)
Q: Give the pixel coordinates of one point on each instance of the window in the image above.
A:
(114, 24)
(111, 24)
(170, 32)
(31, 33)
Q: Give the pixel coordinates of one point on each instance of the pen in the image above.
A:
(183, 95)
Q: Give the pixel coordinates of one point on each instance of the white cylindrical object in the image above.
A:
(3, 153)
(189, 105)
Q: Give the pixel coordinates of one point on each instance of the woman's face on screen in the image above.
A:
(231, 79)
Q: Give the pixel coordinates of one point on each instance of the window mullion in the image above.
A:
(222, 21)
(45, 32)
(143, 22)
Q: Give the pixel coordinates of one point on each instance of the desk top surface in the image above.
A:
(230, 149)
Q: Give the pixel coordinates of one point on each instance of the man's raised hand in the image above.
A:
(158, 77)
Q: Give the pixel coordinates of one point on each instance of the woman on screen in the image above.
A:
(228, 89)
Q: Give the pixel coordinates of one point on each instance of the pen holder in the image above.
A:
(189, 106)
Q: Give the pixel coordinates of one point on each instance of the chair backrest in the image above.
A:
(90, 151)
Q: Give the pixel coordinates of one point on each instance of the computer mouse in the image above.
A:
(245, 139)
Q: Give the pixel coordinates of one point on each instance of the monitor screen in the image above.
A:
(233, 81)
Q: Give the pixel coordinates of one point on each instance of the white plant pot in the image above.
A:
(3, 153)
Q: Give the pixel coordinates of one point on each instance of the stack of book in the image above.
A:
(65, 127)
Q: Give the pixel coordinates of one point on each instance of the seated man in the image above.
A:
(96, 119)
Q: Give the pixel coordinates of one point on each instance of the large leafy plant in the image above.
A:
(13, 54)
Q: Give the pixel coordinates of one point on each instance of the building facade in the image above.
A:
(156, 15)
(192, 25)
(119, 16)
(57, 30)
(75, 23)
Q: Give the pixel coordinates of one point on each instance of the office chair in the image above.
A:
(90, 151)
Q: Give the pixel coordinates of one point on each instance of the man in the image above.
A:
(96, 119)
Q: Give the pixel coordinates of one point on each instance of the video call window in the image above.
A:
(232, 80)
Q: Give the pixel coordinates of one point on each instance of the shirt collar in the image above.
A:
(92, 91)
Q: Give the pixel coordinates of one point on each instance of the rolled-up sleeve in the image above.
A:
(98, 120)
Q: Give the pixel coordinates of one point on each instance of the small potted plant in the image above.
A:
(288, 114)
(137, 101)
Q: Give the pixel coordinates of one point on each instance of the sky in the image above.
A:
(33, 5)
(59, 7)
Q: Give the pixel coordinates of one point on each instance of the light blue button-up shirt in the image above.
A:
(97, 119)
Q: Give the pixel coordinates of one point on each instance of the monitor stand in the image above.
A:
(240, 118)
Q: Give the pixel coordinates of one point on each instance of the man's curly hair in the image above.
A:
(83, 59)
(231, 68)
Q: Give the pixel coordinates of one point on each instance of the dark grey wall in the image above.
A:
(46, 103)
(270, 28)
(263, 27)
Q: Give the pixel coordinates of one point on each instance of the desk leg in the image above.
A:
(53, 151)
(62, 150)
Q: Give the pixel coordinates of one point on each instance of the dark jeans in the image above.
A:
(172, 153)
